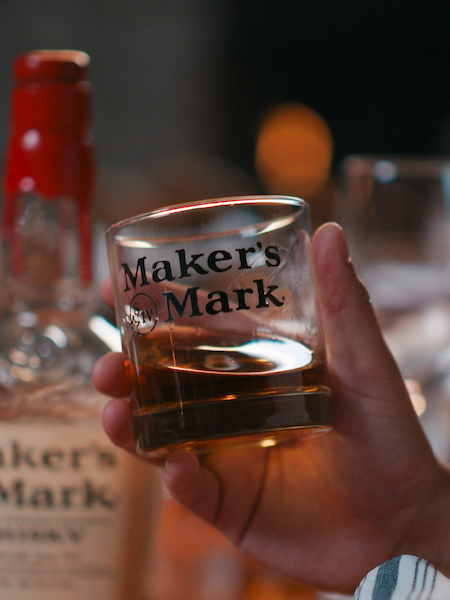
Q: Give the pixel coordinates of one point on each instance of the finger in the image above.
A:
(106, 292)
(116, 420)
(344, 301)
(195, 487)
(108, 375)
(360, 361)
(224, 488)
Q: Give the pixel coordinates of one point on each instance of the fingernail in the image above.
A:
(343, 247)
(170, 464)
(177, 461)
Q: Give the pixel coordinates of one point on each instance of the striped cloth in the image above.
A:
(404, 578)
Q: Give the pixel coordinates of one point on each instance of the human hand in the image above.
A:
(323, 510)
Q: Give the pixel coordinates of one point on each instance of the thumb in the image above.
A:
(364, 375)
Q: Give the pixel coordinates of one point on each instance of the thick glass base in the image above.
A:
(223, 425)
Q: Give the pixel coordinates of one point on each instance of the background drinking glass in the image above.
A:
(220, 331)
(395, 212)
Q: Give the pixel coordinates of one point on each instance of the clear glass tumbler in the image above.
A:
(395, 211)
(221, 336)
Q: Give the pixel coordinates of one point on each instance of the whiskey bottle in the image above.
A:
(75, 512)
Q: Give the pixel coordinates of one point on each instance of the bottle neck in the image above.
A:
(50, 164)
(42, 258)
(45, 291)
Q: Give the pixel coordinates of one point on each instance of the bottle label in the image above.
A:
(73, 513)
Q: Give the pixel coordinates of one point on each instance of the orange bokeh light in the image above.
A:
(294, 150)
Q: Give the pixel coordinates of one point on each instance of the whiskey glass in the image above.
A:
(395, 211)
(221, 337)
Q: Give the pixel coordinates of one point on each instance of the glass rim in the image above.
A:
(248, 200)
(413, 164)
(399, 157)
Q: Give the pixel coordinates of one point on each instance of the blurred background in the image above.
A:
(182, 88)
(204, 98)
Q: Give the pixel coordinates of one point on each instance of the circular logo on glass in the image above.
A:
(143, 316)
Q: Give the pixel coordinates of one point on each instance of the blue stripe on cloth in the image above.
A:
(386, 580)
